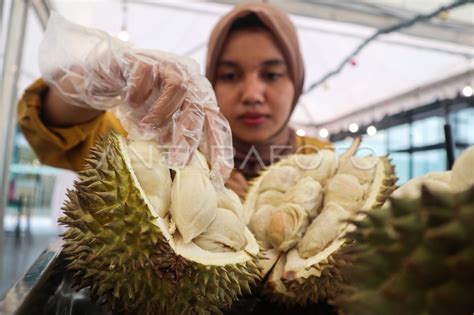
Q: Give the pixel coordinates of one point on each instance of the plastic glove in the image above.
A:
(156, 95)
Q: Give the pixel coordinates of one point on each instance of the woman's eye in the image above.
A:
(229, 77)
(272, 76)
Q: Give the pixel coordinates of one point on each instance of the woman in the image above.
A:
(255, 67)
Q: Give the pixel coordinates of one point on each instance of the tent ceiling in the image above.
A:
(455, 26)
(392, 65)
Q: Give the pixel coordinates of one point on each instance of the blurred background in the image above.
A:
(392, 71)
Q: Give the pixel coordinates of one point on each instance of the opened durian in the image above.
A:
(303, 232)
(151, 240)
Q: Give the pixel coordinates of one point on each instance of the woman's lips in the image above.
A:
(253, 119)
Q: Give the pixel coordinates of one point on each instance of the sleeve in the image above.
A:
(60, 147)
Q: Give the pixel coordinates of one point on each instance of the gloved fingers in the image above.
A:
(216, 142)
(172, 85)
(140, 78)
(187, 132)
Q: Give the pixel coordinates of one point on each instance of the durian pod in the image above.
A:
(314, 279)
(228, 199)
(258, 225)
(308, 193)
(193, 215)
(424, 266)
(286, 226)
(344, 190)
(225, 234)
(324, 229)
(116, 246)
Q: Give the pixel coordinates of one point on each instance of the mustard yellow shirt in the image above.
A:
(67, 147)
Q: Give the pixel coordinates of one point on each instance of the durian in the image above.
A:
(415, 256)
(301, 253)
(120, 246)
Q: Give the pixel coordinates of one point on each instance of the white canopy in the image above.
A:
(394, 72)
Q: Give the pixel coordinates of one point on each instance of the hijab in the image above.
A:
(249, 157)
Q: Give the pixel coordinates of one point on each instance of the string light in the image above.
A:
(386, 30)
(123, 34)
(353, 127)
(371, 130)
(467, 91)
(323, 133)
(301, 132)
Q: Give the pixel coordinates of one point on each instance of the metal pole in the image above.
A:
(8, 93)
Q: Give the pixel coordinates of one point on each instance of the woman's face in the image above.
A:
(253, 88)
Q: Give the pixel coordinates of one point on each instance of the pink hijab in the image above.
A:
(279, 24)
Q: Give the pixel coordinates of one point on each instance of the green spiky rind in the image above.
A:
(417, 257)
(117, 251)
(302, 291)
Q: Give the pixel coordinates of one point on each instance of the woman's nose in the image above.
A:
(253, 91)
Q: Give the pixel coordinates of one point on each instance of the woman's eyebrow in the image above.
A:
(273, 62)
(228, 63)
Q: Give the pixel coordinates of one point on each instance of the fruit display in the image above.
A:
(147, 238)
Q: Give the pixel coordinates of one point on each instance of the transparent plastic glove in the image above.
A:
(156, 95)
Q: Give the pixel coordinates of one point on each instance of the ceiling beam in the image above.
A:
(364, 14)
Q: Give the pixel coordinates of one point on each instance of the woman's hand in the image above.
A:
(238, 184)
(159, 95)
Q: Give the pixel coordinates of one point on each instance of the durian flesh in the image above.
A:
(121, 247)
(304, 254)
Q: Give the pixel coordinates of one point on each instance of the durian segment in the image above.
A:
(269, 197)
(286, 226)
(422, 250)
(193, 199)
(149, 170)
(228, 199)
(463, 171)
(437, 181)
(280, 179)
(319, 166)
(259, 224)
(363, 168)
(224, 234)
(346, 191)
(125, 255)
(324, 229)
(308, 193)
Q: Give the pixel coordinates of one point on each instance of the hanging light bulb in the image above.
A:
(371, 130)
(323, 133)
(353, 127)
(301, 132)
(467, 91)
(123, 35)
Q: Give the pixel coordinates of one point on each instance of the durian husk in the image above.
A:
(414, 256)
(315, 279)
(124, 253)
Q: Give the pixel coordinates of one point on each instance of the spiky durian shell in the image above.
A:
(414, 257)
(321, 281)
(117, 248)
